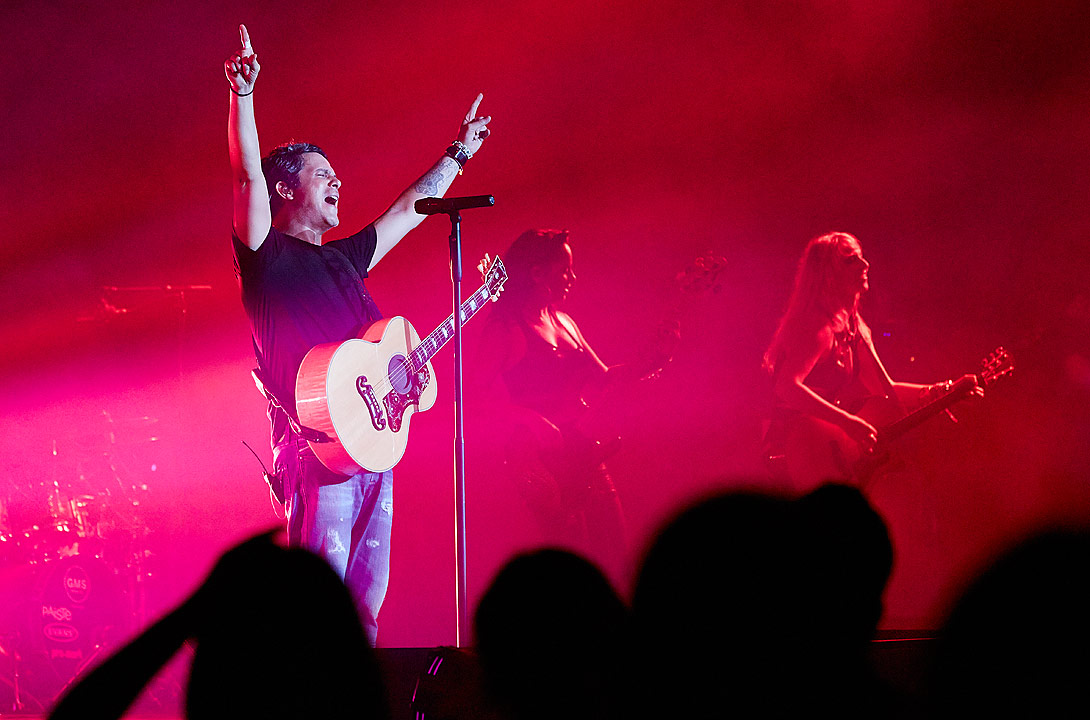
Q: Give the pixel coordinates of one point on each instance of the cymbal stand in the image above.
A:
(17, 704)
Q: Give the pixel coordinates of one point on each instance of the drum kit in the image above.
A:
(73, 562)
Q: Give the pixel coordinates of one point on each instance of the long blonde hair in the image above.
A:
(817, 295)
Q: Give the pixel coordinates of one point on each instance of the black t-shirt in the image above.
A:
(299, 295)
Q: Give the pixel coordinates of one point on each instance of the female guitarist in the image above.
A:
(549, 369)
(824, 366)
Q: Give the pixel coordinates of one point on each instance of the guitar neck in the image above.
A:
(958, 391)
(440, 336)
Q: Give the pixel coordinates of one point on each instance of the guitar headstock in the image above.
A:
(998, 364)
(493, 276)
(702, 275)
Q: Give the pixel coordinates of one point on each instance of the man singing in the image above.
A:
(302, 289)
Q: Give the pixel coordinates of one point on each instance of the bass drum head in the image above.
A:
(61, 617)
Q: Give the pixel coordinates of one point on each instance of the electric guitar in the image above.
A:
(356, 398)
(814, 451)
(587, 437)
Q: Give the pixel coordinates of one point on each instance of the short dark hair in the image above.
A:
(532, 249)
(283, 165)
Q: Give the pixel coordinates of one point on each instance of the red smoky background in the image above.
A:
(951, 138)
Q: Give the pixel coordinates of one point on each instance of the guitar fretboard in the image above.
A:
(958, 391)
(997, 365)
(439, 337)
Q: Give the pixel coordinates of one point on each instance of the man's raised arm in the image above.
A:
(252, 216)
(400, 218)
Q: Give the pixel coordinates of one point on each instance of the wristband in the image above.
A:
(236, 92)
(933, 392)
(459, 153)
(464, 148)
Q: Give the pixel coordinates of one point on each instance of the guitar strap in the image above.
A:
(853, 339)
(357, 297)
(308, 434)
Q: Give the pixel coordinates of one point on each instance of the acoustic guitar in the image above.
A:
(356, 397)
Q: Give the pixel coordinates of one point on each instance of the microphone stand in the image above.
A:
(461, 628)
(452, 207)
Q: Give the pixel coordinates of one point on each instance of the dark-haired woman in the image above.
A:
(550, 372)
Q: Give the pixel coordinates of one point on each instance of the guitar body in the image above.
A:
(355, 399)
(362, 394)
(817, 451)
(809, 451)
(556, 470)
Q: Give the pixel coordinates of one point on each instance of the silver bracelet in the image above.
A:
(462, 146)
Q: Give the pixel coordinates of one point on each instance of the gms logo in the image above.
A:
(60, 632)
(77, 584)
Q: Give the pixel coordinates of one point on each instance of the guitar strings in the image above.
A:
(385, 386)
(468, 308)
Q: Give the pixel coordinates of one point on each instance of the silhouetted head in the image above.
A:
(851, 558)
(279, 637)
(552, 636)
(1014, 643)
(756, 603)
(718, 572)
(712, 605)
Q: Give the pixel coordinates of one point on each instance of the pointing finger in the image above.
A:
(473, 109)
(245, 35)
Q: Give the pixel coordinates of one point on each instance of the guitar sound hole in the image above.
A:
(400, 373)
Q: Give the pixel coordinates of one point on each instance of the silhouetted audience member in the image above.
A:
(1015, 642)
(277, 636)
(750, 604)
(711, 607)
(849, 559)
(551, 635)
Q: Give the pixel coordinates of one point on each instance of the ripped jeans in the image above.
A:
(347, 521)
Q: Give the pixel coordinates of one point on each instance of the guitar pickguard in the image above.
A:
(368, 394)
(396, 402)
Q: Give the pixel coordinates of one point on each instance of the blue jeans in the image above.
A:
(346, 520)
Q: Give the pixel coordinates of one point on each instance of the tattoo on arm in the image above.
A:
(429, 184)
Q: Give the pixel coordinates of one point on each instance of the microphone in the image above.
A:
(433, 205)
